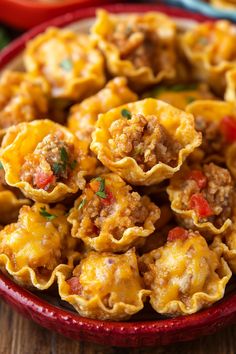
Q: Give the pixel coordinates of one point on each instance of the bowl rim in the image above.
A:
(47, 6)
(126, 334)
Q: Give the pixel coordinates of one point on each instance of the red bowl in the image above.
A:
(28, 13)
(52, 315)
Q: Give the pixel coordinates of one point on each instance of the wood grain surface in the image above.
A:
(21, 336)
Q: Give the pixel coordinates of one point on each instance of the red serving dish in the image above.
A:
(49, 312)
(25, 14)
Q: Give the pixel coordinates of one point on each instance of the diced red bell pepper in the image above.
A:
(228, 128)
(199, 178)
(109, 198)
(178, 233)
(43, 180)
(200, 205)
(75, 286)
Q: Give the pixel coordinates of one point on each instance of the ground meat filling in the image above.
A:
(138, 44)
(212, 139)
(52, 161)
(143, 139)
(96, 210)
(214, 201)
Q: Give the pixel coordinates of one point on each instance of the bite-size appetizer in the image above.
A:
(69, 62)
(140, 47)
(181, 95)
(38, 244)
(184, 275)
(203, 198)
(44, 159)
(104, 286)
(83, 116)
(23, 98)
(216, 120)
(144, 142)
(109, 216)
(210, 47)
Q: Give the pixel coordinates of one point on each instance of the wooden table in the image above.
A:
(21, 336)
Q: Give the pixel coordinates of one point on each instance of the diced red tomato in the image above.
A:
(95, 185)
(228, 128)
(200, 205)
(109, 198)
(43, 180)
(178, 233)
(199, 178)
(75, 286)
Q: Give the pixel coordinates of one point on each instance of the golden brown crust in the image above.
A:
(142, 47)
(21, 147)
(141, 113)
(184, 276)
(105, 286)
(75, 70)
(109, 216)
(32, 249)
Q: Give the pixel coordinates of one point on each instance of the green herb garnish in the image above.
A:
(82, 203)
(66, 64)
(190, 99)
(57, 168)
(73, 164)
(1, 166)
(155, 92)
(183, 87)
(64, 155)
(46, 215)
(126, 113)
(101, 192)
(101, 195)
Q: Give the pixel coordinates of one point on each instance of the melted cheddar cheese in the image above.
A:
(105, 286)
(33, 247)
(72, 66)
(184, 276)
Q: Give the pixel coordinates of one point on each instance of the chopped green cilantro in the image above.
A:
(66, 64)
(1, 166)
(82, 203)
(57, 168)
(126, 113)
(46, 215)
(101, 195)
(101, 192)
(64, 155)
